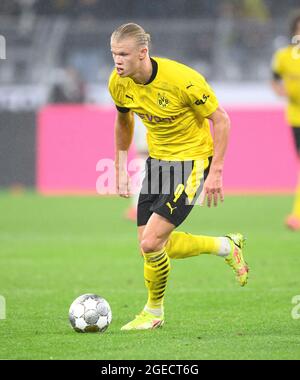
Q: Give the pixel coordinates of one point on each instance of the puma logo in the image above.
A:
(171, 208)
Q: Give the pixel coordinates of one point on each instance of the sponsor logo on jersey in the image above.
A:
(156, 119)
(202, 101)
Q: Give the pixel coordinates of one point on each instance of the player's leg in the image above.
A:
(153, 262)
(176, 208)
(153, 238)
(157, 262)
(141, 230)
(182, 245)
(293, 220)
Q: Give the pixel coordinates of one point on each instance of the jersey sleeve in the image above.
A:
(200, 97)
(116, 93)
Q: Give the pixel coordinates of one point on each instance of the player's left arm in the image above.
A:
(203, 101)
(213, 186)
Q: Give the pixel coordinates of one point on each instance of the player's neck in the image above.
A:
(144, 74)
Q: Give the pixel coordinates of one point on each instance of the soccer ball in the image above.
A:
(90, 313)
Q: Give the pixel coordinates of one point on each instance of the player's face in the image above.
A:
(127, 56)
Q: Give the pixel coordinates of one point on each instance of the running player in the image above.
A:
(286, 83)
(175, 103)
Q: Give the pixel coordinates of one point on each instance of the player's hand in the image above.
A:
(212, 190)
(122, 183)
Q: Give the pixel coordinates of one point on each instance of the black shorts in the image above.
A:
(170, 189)
(296, 133)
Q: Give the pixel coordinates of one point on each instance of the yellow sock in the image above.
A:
(296, 209)
(156, 271)
(181, 245)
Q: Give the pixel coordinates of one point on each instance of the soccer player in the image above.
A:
(286, 83)
(176, 104)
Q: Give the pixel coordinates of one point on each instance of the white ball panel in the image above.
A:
(90, 304)
(80, 323)
(102, 322)
(78, 310)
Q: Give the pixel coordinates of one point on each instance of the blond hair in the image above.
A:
(132, 30)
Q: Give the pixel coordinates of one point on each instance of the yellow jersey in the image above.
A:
(174, 106)
(286, 64)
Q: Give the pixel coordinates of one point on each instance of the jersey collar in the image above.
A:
(154, 71)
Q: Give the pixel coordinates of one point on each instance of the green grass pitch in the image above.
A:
(55, 249)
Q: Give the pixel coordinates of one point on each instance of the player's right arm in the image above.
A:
(124, 128)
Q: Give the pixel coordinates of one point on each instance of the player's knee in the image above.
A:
(151, 244)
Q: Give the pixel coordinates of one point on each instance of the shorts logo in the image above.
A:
(171, 208)
(162, 100)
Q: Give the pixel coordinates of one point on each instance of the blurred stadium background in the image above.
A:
(58, 52)
(56, 123)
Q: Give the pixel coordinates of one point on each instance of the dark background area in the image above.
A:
(17, 149)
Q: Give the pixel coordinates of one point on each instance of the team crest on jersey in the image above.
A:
(162, 100)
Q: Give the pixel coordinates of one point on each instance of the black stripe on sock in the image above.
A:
(160, 258)
(160, 288)
(164, 277)
(163, 268)
(159, 297)
(154, 260)
(158, 266)
(161, 283)
(161, 293)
